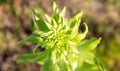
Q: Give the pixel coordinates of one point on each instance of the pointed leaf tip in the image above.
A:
(63, 12)
(55, 8)
(89, 44)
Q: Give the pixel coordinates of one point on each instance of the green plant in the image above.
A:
(65, 48)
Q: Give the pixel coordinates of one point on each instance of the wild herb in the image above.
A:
(65, 48)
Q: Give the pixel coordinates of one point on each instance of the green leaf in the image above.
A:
(80, 36)
(32, 24)
(32, 38)
(35, 57)
(57, 18)
(43, 26)
(75, 21)
(63, 66)
(26, 58)
(87, 57)
(89, 44)
(55, 8)
(88, 67)
(50, 66)
(54, 23)
(101, 67)
(72, 24)
(63, 12)
(36, 13)
(73, 59)
(48, 18)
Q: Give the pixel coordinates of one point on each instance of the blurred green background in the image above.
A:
(102, 17)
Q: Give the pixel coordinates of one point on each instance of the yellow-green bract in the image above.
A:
(65, 48)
